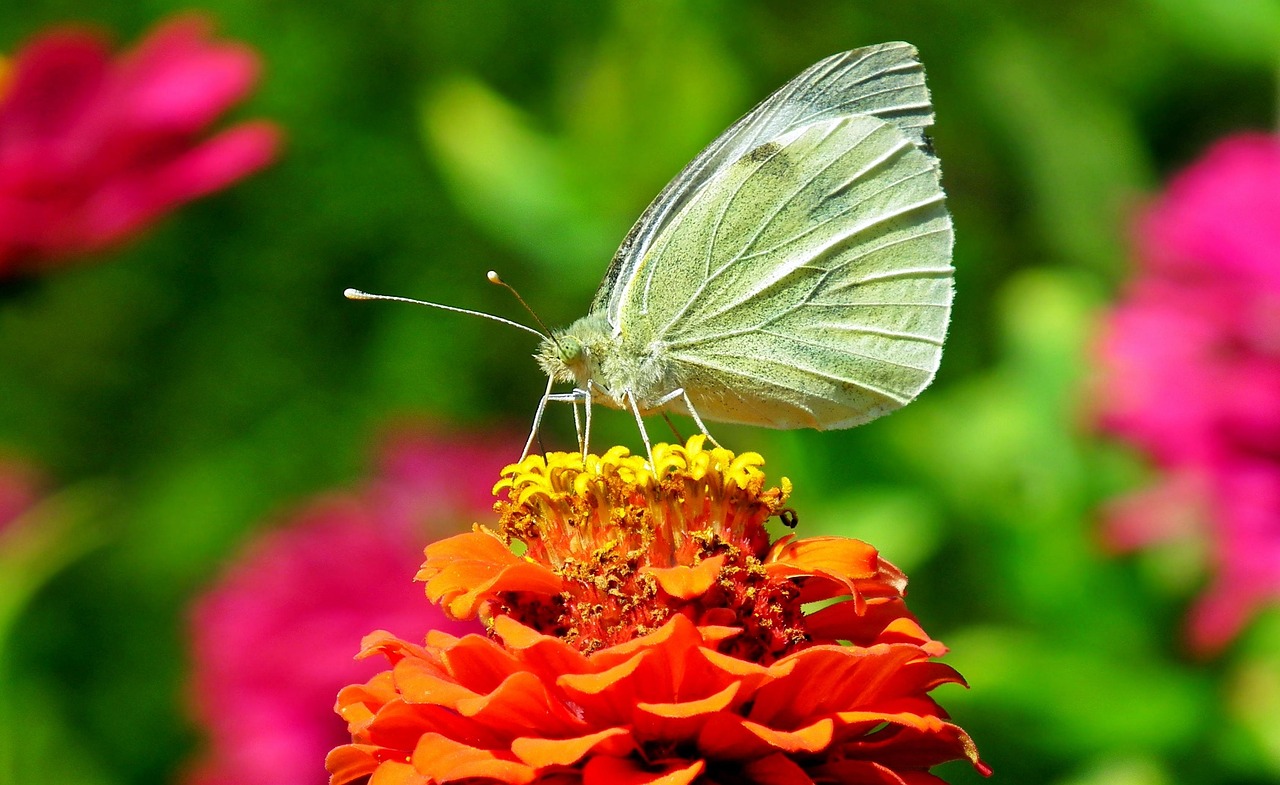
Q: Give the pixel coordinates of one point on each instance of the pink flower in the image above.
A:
(93, 148)
(276, 638)
(20, 486)
(1191, 359)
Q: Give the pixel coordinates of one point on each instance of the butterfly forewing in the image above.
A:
(885, 81)
(808, 284)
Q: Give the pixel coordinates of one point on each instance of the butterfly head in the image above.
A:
(573, 354)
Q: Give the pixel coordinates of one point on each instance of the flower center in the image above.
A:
(635, 546)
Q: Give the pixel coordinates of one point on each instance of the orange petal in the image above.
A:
(463, 571)
(522, 704)
(917, 721)
(830, 678)
(677, 634)
(835, 555)
(713, 634)
(478, 663)
(542, 753)
(388, 645)
(680, 721)
(906, 630)
(834, 567)
(446, 760)
(419, 682)
(602, 681)
(358, 703)
(398, 725)
(920, 677)
(609, 696)
(539, 652)
(916, 742)
(602, 770)
(394, 773)
(350, 762)
(750, 673)
(688, 582)
(712, 703)
(730, 737)
(875, 621)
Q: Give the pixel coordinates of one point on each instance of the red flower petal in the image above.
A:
(53, 84)
(93, 147)
(626, 771)
(179, 80)
(776, 769)
(127, 203)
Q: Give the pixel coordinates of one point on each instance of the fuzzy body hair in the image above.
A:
(612, 365)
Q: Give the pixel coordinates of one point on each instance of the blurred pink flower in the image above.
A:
(275, 639)
(20, 486)
(1191, 360)
(93, 148)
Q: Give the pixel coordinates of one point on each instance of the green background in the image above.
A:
(209, 374)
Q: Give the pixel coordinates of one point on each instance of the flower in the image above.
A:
(1190, 362)
(275, 638)
(650, 632)
(93, 148)
(20, 489)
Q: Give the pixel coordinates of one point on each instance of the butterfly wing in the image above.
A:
(807, 284)
(885, 81)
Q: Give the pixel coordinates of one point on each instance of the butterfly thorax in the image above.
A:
(591, 355)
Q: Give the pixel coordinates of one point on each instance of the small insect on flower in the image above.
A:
(796, 274)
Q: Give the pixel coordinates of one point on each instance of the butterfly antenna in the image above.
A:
(495, 279)
(356, 294)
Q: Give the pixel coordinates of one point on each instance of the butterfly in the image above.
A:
(796, 274)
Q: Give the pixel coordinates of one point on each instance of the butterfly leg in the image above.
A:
(635, 409)
(694, 413)
(537, 420)
(577, 425)
(680, 393)
(586, 432)
(576, 397)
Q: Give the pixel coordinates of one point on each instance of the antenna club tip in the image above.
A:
(355, 294)
(493, 277)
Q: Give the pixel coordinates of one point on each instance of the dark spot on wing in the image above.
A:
(762, 153)
(928, 145)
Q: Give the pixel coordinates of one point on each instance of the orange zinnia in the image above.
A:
(651, 633)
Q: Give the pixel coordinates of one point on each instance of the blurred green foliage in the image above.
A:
(210, 374)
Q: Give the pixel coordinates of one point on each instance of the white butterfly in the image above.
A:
(797, 273)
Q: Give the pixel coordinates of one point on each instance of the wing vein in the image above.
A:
(870, 357)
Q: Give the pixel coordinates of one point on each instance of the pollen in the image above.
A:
(634, 546)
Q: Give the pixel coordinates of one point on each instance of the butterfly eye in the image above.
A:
(570, 349)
